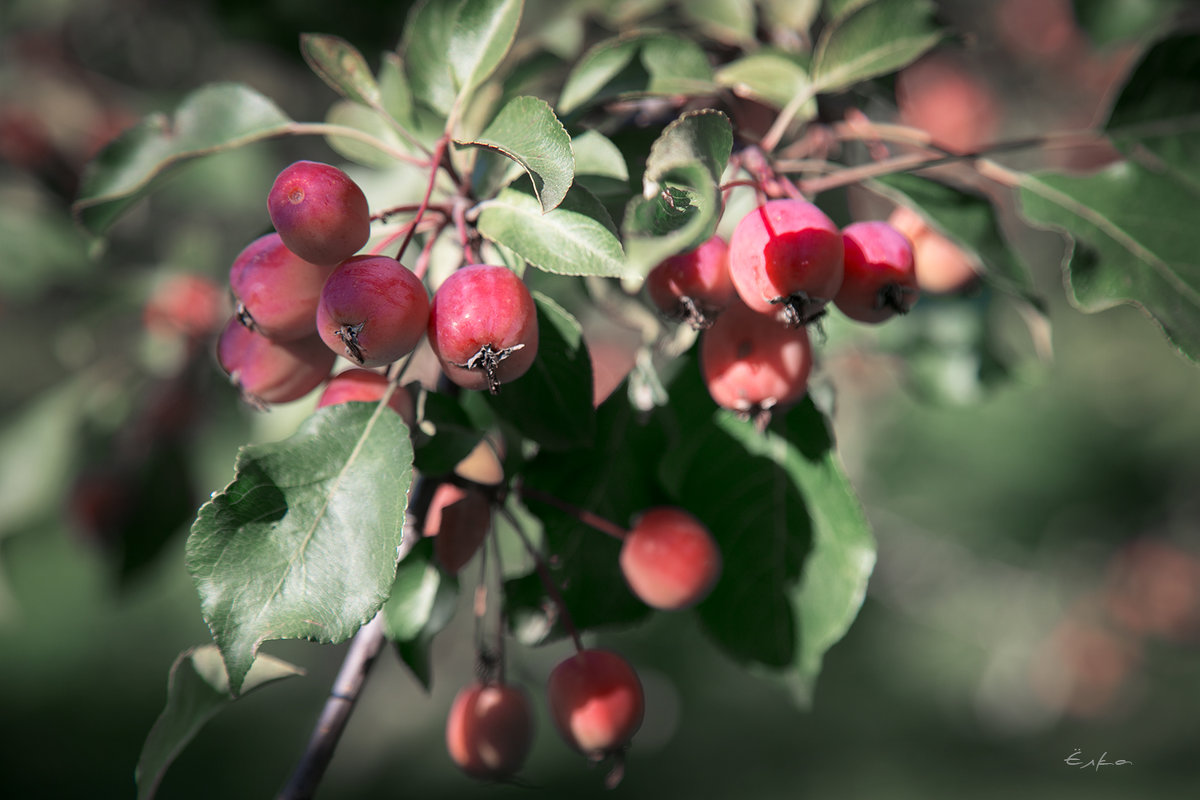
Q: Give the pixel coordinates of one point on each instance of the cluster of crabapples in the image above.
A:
(304, 295)
(755, 295)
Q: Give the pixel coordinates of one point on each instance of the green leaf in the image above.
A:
(197, 689)
(834, 581)
(422, 603)
(770, 77)
(576, 238)
(613, 478)
(354, 115)
(341, 66)
(482, 34)
(527, 131)
(1156, 119)
(1108, 22)
(596, 155)
(425, 48)
(39, 444)
(667, 64)
(1132, 244)
(552, 402)
(876, 39)
(797, 548)
(212, 119)
(837, 9)
(790, 15)
(729, 21)
(681, 203)
(303, 543)
(602, 63)
(970, 221)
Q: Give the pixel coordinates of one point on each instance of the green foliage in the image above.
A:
(527, 131)
(197, 690)
(551, 138)
(303, 543)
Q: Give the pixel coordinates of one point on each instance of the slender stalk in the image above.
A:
(547, 580)
(583, 515)
(364, 649)
(329, 129)
(439, 151)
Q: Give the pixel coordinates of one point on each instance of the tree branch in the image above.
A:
(364, 649)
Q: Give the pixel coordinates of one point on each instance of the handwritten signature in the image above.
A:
(1076, 759)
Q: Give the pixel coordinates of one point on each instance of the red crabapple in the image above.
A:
(363, 385)
(880, 280)
(942, 266)
(459, 518)
(596, 701)
(319, 211)
(271, 372)
(276, 291)
(753, 362)
(489, 730)
(944, 95)
(693, 287)
(373, 309)
(669, 559)
(483, 327)
(185, 305)
(785, 257)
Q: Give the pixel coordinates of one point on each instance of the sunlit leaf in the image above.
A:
(482, 34)
(681, 203)
(770, 77)
(1131, 244)
(527, 131)
(730, 21)
(303, 543)
(878, 38)
(665, 64)
(576, 238)
(425, 49)
(339, 64)
(212, 119)
(197, 689)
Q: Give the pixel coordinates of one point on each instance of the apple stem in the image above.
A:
(586, 517)
(543, 571)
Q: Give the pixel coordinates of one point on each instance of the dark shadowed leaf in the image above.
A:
(1109, 21)
(197, 689)
(879, 38)
(303, 543)
(552, 402)
(527, 131)
(1156, 119)
(613, 478)
(211, 119)
(797, 548)
(576, 238)
(339, 64)
(422, 603)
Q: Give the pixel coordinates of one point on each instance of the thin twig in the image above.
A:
(364, 649)
(547, 580)
(583, 515)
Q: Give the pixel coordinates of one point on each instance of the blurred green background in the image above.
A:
(1038, 585)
